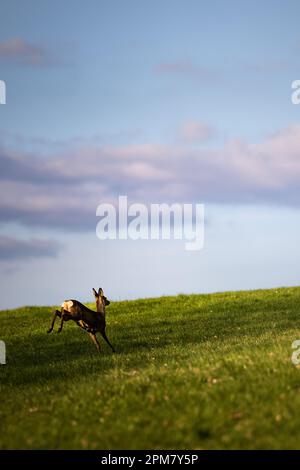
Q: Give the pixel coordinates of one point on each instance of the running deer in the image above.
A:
(87, 319)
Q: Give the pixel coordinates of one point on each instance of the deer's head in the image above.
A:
(101, 300)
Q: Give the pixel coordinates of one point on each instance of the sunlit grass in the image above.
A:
(190, 372)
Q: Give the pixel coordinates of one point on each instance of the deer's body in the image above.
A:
(87, 319)
(82, 315)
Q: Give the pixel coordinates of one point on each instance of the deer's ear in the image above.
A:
(95, 293)
(100, 291)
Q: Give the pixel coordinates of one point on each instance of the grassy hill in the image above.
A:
(198, 371)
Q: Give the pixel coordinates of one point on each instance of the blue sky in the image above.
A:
(165, 102)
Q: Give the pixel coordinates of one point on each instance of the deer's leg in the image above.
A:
(95, 341)
(56, 314)
(84, 326)
(107, 340)
(64, 317)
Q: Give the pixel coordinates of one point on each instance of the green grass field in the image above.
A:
(190, 372)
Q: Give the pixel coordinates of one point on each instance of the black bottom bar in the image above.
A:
(134, 459)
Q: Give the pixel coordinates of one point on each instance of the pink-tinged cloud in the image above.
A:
(270, 66)
(184, 68)
(18, 51)
(64, 189)
(194, 131)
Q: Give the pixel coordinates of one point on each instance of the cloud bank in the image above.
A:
(17, 249)
(62, 190)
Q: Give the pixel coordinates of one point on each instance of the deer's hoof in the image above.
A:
(59, 330)
(49, 331)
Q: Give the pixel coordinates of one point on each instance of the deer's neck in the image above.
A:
(101, 310)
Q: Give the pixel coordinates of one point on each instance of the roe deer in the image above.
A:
(89, 320)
